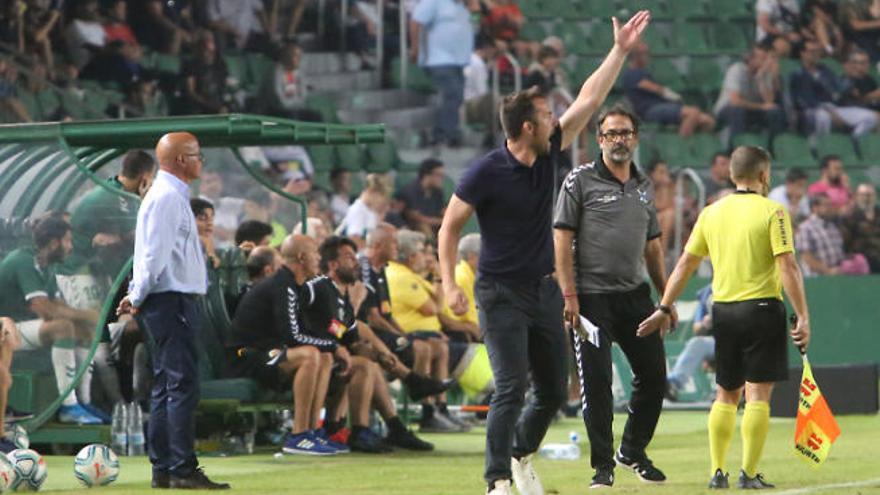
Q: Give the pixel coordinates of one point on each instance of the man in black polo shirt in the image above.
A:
(605, 211)
(511, 190)
(422, 198)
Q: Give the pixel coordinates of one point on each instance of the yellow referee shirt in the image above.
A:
(742, 234)
(465, 278)
(408, 292)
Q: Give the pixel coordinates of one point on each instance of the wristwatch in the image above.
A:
(665, 309)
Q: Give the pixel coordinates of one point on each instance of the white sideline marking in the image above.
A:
(813, 489)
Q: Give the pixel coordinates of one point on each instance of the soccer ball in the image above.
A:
(18, 436)
(30, 470)
(8, 476)
(96, 465)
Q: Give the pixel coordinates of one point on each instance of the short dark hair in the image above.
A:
(329, 250)
(827, 159)
(252, 230)
(518, 108)
(817, 198)
(200, 206)
(719, 154)
(654, 164)
(795, 174)
(617, 109)
(428, 166)
(137, 163)
(747, 161)
(337, 173)
(547, 52)
(49, 229)
(258, 260)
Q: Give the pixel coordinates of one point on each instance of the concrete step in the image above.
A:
(344, 81)
(381, 99)
(409, 118)
(328, 63)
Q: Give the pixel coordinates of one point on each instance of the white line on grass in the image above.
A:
(813, 489)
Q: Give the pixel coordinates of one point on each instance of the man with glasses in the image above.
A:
(169, 275)
(606, 220)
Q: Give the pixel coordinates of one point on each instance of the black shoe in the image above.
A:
(719, 481)
(418, 386)
(6, 446)
(408, 440)
(438, 423)
(196, 481)
(644, 468)
(364, 440)
(604, 478)
(756, 483)
(161, 480)
(671, 393)
(14, 415)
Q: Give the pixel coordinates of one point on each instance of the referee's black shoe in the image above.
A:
(756, 483)
(644, 468)
(719, 480)
(604, 478)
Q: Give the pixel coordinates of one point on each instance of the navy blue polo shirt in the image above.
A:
(514, 206)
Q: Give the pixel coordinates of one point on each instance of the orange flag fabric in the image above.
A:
(816, 428)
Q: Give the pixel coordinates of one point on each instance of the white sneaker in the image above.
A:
(502, 487)
(524, 476)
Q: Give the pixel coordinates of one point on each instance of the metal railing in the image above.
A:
(679, 203)
(404, 45)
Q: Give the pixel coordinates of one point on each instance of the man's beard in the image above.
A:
(620, 153)
(835, 180)
(347, 276)
(56, 256)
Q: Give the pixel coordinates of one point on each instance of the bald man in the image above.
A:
(273, 343)
(169, 277)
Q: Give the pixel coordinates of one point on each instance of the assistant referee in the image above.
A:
(749, 240)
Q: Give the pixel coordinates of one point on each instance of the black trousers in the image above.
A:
(171, 320)
(524, 335)
(618, 316)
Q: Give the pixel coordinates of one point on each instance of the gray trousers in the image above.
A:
(522, 327)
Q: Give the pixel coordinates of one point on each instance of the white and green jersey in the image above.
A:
(21, 280)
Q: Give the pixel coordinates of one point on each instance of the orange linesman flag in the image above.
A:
(816, 428)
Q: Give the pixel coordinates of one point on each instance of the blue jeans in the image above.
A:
(449, 81)
(172, 320)
(698, 349)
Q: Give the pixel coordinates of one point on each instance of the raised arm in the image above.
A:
(594, 91)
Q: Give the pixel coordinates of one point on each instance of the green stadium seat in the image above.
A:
(603, 9)
(658, 41)
(382, 157)
(671, 148)
(792, 150)
(689, 38)
(732, 9)
(834, 65)
(235, 64)
(259, 67)
(837, 144)
(574, 37)
(659, 8)
(322, 156)
(351, 157)
(532, 30)
(324, 105)
(667, 74)
(531, 8)
(167, 63)
(703, 147)
(689, 9)
(602, 36)
(705, 76)
(869, 149)
(729, 38)
(750, 139)
(321, 180)
(417, 78)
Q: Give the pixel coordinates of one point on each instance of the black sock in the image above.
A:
(395, 426)
(355, 429)
(427, 411)
(441, 407)
(332, 427)
(410, 378)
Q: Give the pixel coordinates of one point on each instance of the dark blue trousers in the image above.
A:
(172, 322)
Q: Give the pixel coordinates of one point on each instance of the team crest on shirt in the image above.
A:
(643, 196)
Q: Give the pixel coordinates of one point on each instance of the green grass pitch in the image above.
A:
(680, 448)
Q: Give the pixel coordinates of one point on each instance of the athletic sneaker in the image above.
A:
(306, 443)
(6, 446)
(604, 478)
(499, 487)
(644, 468)
(408, 440)
(719, 480)
(438, 423)
(463, 426)
(418, 386)
(77, 414)
(14, 415)
(324, 438)
(366, 440)
(524, 476)
(341, 435)
(98, 413)
(756, 483)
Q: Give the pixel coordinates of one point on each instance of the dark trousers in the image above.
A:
(739, 119)
(618, 316)
(449, 81)
(522, 328)
(172, 320)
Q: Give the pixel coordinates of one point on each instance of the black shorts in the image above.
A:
(751, 342)
(404, 353)
(251, 363)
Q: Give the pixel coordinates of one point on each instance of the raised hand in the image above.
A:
(629, 35)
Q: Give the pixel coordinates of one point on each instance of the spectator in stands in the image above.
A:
(777, 25)
(415, 304)
(423, 198)
(654, 102)
(698, 349)
(465, 277)
(10, 104)
(478, 101)
(12, 24)
(816, 92)
(9, 341)
(272, 343)
(502, 21)
(834, 183)
(718, 177)
(290, 163)
(664, 198)
(239, 24)
(204, 78)
(252, 234)
(820, 243)
(262, 262)
(116, 27)
(204, 213)
(340, 196)
(316, 229)
(163, 26)
(861, 22)
(85, 34)
(441, 40)
(143, 97)
(284, 93)
(339, 263)
(118, 62)
(860, 87)
(40, 19)
(793, 195)
(750, 94)
(861, 229)
(29, 295)
(820, 20)
(367, 211)
(542, 73)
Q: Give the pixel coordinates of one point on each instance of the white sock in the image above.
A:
(64, 362)
(84, 389)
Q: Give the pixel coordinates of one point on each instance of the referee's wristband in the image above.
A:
(665, 309)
